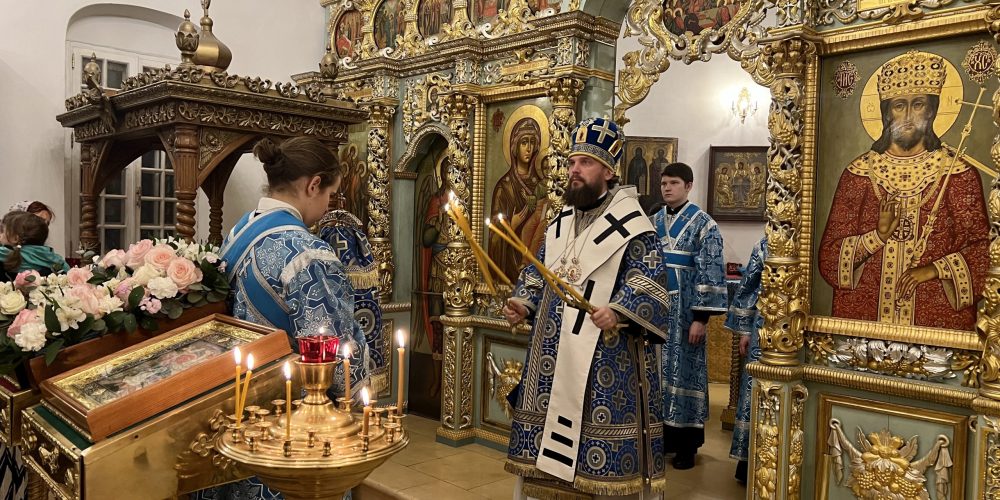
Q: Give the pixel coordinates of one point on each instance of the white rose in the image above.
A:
(11, 303)
(6, 287)
(162, 288)
(108, 305)
(37, 297)
(32, 336)
(111, 284)
(69, 317)
(144, 274)
(211, 257)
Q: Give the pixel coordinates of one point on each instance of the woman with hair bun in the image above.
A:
(285, 277)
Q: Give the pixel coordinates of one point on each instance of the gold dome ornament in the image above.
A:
(212, 54)
(328, 65)
(92, 70)
(187, 39)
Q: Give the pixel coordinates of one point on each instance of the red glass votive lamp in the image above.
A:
(318, 348)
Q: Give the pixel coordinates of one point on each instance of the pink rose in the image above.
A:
(114, 258)
(79, 276)
(160, 256)
(88, 302)
(183, 272)
(151, 305)
(23, 317)
(124, 289)
(137, 252)
(21, 280)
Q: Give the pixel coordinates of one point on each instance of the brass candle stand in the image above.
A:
(327, 453)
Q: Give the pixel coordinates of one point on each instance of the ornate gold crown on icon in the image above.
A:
(911, 73)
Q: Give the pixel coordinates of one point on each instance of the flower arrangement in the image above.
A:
(121, 291)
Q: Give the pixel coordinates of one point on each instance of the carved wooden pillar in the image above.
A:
(563, 93)
(89, 158)
(460, 277)
(185, 178)
(379, 213)
(215, 190)
(779, 397)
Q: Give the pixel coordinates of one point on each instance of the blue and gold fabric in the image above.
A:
(692, 250)
(618, 432)
(345, 234)
(744, 319)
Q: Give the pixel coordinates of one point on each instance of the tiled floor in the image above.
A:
(433, 471)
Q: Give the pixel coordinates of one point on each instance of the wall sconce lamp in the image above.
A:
(744, 105)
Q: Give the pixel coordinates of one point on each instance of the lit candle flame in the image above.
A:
(451, 196)
(399, 337)
(288, 371)
(347, 350)
(321, 331)
(249, 362)
(500, 216)
(364, 396)
(488, 221)
(447, 207)
(237, 355)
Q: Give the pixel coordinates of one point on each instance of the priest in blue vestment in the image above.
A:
(346, 235)
(587, 412)
(744, 320)
(692, 249)
(283, 276)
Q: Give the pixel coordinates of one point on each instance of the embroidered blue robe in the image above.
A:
(283, 276)
(692, 248)
(744, 319)
(621, 439)
(345, 234)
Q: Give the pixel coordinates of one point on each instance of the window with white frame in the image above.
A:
(139, 202)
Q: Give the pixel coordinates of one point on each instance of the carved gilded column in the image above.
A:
(379, 214)
(460, 276)
(778, 395)
(989, 314)
(782, 301)
(89, 239)
(563, 93)
(368, 47)
(186, 179)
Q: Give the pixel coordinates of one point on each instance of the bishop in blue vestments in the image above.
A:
(587, 414)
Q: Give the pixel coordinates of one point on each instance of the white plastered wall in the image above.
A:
(269, 39)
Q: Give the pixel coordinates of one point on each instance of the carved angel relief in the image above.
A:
(503, 381)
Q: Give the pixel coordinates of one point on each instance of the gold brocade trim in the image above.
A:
(551, 493)
(379, 381)
(586, 485)
(367, 278)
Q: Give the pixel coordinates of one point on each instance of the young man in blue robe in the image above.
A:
(743, 319)
(346, 235)
(284, 277)
(692, 249)
(587, 414)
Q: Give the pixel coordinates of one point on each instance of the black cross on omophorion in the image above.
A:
(559, 218)
(581, 313)
(616, 225)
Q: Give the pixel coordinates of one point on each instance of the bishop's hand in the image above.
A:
(514, 311)
(604, 318)
(888, 217)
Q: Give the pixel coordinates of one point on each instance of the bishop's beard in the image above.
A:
(584, 195)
